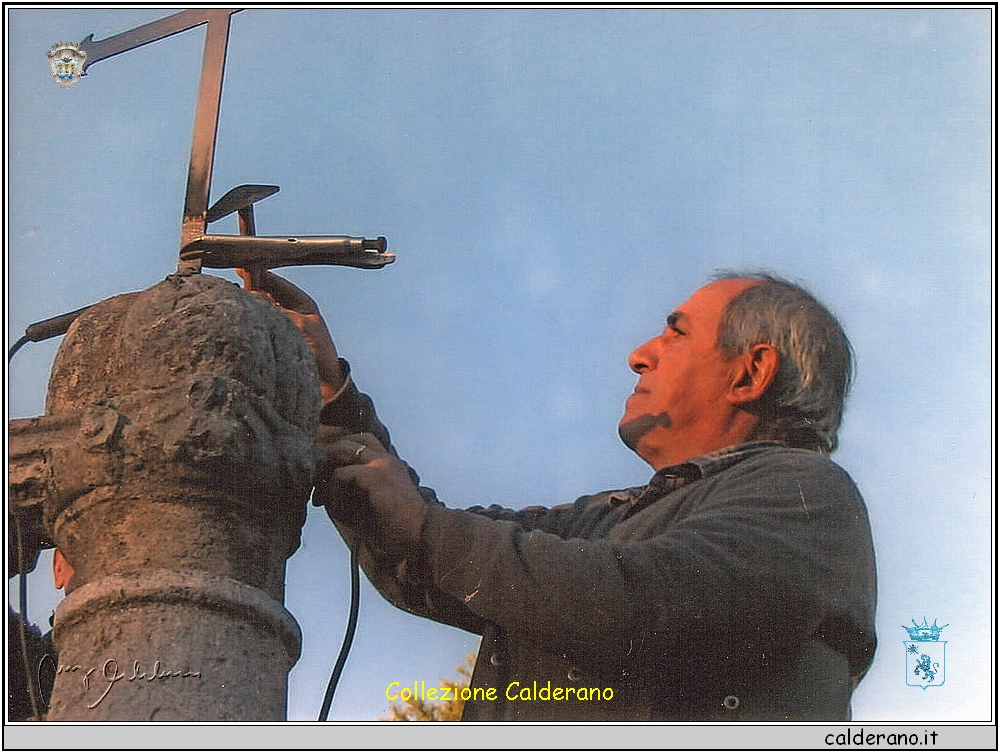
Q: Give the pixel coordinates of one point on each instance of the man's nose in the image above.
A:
(642, 358)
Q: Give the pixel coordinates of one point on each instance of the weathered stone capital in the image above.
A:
(172, 469)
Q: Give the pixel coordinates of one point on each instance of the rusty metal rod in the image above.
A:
(206, 123)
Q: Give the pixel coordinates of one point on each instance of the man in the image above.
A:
(738, 584)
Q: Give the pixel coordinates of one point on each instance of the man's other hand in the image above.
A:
(304, 313)
(358, 472)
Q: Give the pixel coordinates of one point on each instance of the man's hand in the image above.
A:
(359, 471)
(304, 313)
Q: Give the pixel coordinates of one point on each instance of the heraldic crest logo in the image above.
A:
(924, 654)
(66, 60)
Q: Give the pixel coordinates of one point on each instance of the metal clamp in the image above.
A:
(256, 253)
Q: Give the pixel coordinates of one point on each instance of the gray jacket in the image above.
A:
(737, 586)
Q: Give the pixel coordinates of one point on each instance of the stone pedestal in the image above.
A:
(172, 468)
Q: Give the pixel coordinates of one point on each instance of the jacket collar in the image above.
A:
(705, 465)
(673, 477)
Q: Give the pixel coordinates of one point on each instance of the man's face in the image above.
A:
(679, 408)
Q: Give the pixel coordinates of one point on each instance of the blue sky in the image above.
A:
(554, 182)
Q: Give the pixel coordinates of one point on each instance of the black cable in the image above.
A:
(22, 623)
(17, 346)
(345, 649)
(22, 581)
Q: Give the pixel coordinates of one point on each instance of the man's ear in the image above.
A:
(62, 571)
(753, 373)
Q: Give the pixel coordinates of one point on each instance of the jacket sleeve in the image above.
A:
(402, 580)
(764, 559)
(353, 411)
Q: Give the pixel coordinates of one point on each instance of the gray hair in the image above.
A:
(805, 402)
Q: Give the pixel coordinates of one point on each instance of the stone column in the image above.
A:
(173, 465)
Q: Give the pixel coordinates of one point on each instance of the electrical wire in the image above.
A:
(22, 623)
(22, 584)
(345, 649)
(16, 347)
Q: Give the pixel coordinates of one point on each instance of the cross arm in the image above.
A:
(151, 32)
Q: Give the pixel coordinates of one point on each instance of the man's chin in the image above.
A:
(631, 430)
(627, 436)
